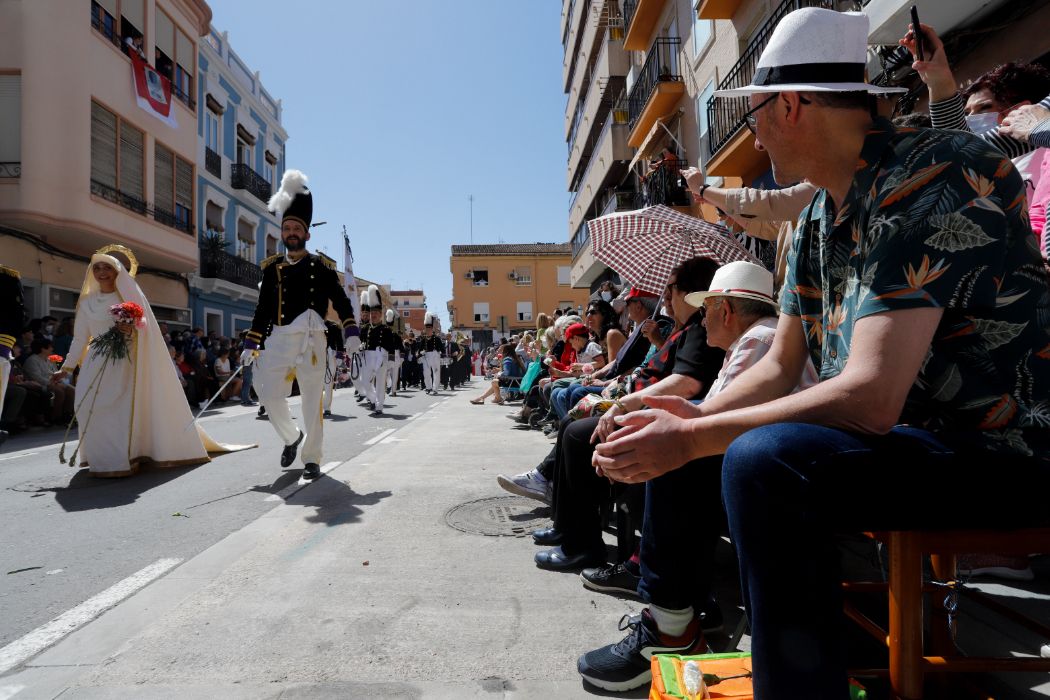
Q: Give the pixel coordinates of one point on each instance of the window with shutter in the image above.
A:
(11, 118)
(184, 194)
(164, 180)
(245, 240)
(213, 217)
(103, 148)
(132, 165)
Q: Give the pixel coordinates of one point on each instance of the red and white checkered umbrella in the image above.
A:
(644, 245)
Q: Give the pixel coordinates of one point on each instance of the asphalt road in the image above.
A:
(67, 536)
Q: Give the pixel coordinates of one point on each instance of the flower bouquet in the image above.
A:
(55, 360)
(113, 344)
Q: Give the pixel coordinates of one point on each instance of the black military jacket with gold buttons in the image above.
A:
(433, 343)
(288, 290)
(377, 336)
(12, 306)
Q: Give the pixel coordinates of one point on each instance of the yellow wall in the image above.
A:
(502, 293)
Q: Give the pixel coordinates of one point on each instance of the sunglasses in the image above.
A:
(591, 312)
(749, 116)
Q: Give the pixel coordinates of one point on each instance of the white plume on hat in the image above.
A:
(389, 315)
(364, 298)
(428, 319)
(373, 296)
(292, 183)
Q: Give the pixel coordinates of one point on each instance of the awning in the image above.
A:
(655, 137)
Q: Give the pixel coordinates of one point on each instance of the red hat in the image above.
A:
(576, 329)
(636, 293)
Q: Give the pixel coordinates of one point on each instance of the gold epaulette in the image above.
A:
(270, 260)
(10, 271)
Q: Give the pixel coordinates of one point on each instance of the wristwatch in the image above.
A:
(703, 188)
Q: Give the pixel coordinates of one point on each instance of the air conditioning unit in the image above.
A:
(512, 276)
(469, 274)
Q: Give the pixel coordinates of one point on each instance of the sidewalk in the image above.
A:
(358, 586)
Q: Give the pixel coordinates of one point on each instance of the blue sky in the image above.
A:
(397, 111)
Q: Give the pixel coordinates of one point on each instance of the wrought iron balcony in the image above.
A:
(223, 265)
(666, 186)
(629, 8)
(11, 169)
(726, 114)
(661, 65)
(580, 240)
(181, 223)
(242, 177)
(112, 194)
(213, 162)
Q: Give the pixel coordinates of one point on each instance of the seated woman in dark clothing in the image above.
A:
(513, 369)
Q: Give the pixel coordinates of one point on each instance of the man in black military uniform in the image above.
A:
(378, 344)
(294, 296)
(12, 321)
(430, 346)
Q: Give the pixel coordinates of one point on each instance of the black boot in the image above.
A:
(288, 455)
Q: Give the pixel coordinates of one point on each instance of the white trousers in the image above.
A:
(375, 369)
(395, 371)
(5, 376)
(330, 379)
(277, 365)
(432, 370)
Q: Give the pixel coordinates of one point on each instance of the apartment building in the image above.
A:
(411, 306)
(630, 98)
(240, 160)
(978, 34)
(500, 289)
(82, 164)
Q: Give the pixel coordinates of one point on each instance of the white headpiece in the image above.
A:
(373, 297)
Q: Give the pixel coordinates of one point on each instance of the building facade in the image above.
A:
(500, 289)
(411, 306)
(240, 160)
(82, 165)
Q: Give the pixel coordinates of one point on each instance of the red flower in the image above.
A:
(54, 358)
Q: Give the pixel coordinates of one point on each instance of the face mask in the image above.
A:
(49, 328)
(606, 296)
(980, 123)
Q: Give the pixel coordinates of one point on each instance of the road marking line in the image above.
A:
(390, 440)
(51, 632)
(377, 438)
(24, 454)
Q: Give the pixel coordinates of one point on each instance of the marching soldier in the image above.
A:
(431, 349)
(399, 350)
(12, 321)
(378, 343)
(296, 289)
(360, 381)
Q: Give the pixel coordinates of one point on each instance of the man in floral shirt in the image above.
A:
(915, 286)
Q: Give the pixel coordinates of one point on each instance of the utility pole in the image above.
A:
(470, 198)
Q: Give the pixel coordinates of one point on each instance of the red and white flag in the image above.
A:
(152, 90)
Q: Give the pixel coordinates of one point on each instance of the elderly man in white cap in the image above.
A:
(915, 286)
(684, 504)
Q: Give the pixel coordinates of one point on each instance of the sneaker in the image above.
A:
(616, 578)
(997, 565)
(626, 665)
(530, 485)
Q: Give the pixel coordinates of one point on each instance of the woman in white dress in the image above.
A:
(129, 411)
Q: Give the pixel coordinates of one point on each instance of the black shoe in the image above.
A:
(548, 537)
(326, 414)
(288, 455)
(311, 471)
(262, 411)
(627, 664)
(557, 560)
(611, 579)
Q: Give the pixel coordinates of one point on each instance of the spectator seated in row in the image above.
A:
(505, 380)
(40, 370)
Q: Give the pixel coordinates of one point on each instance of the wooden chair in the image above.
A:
(908, 662)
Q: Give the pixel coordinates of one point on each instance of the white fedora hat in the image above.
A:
(814, 50)
(741, 279)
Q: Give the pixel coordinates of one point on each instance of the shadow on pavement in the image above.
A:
(334, 502)
(85, 492)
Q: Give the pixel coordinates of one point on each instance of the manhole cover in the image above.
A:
(501, 516)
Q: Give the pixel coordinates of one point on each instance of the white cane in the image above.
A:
(225, 384)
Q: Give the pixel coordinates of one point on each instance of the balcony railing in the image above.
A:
(213, 162)
(580, 239)
(13, 169)
(105, 24)
(242, 177)
(220, 264)
(112, 194)
(178, 222)
(185, 97)
(661, 65)
(629, 6)
(666, 186)
(726, 114)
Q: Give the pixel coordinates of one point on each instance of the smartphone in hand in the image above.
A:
(920, 37)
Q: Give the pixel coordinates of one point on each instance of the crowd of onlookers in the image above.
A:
(682, 409)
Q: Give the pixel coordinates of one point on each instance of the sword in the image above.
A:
(205, 408)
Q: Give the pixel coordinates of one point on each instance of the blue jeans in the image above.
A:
(246, 385)
(790, 488)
